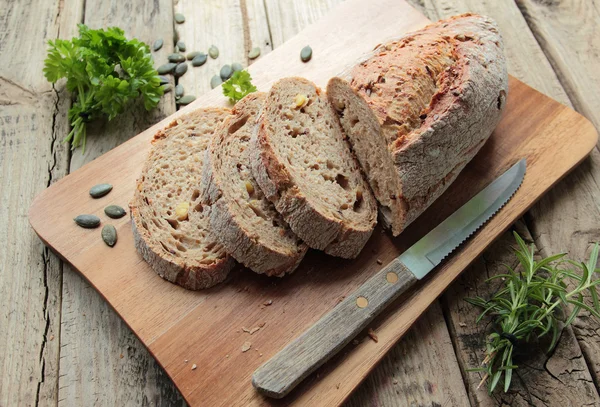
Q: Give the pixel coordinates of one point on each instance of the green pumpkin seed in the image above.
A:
(179, 91)
(98, 191)
(254, 53)
(166, 68)
(226, 72)
(181, 69)
(215, 81)
(109, 235)
(179, 18)
(163, 79)
(213, 51)
(199, 59)
(187, 99)
(306, 54)
(87, 221)
(167, 87)
(236, 66)
(176, 58)
(114, 211)
(192, 55)
(157, 44)
(181, 45)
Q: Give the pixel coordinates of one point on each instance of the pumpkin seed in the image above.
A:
(226, 72)
(176, 58)
(254, 53)
(98, 191)
(175, 36)
(179, 91)
(181, 45)
(167, 87)
(236, 66)
(166, 68)
(114, 211)
(199, 59)
(163, 79)
(306, 54)
(157, 44)
(181, 69)
(192, 55)
(179, 18)
(87, 221)
(109, 235)
(187, 99)
(213, 51)
(215, 81)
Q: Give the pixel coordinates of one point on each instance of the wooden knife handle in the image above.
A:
(280, 374)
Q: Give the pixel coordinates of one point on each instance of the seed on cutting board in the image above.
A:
(215, 81)
(179, 91)
(192, 55)
(254, 53)
(213, 51)
(176, 58)
(187, 99)
(236, 66)
(306, 54)
(226, 72)
(181, 69)
(114, 211)
(199, 59)
(179, 18)
(163, 79)
(109, 235)
(157, 44)
(166, 68)
(181, 45)
(87, 221)
(98, 191)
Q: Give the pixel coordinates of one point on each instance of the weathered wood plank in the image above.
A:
(567, 30)
(559, 379)
(102, 362)
(31, 158)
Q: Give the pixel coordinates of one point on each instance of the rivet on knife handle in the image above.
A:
(335, 330)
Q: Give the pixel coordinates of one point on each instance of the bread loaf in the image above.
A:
(418, 109)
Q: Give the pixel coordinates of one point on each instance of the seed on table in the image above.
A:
(181, 69)
(157, 44)
(254, 53)
(167, 87)
(176, 58)
(163, 79)
(226, 72)
(114, 211)
(236, 66)
(306, 54)
(166, 68)
(199, 59)
(98, 191)
(213, 51)
(109, 235)
(179, 91)
(185, 100)
(181, 46)
(175, 36)
(215, 81)
(87, 221)
(192, 55)
(179, 18)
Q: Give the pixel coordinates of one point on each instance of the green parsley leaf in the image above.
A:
(106, 72)
(238, 86)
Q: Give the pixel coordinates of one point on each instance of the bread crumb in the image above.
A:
(227, 356)
(194, 366)
(51, 337)
(246, 346)
(262, 324)
(373, 336)
(185, 361)
(379, 261)
(121, 356)
(462, 324)
(267, 303)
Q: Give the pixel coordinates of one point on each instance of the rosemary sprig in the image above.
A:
(528, 306)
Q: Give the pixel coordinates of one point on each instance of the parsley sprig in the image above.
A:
(105, 71)
(238, 86)
(529, 303)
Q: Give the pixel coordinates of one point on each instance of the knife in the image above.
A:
(279, 375)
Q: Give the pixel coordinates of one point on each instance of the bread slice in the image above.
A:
(170, 224)
(418, 109)
(305, 167)
(248, 225)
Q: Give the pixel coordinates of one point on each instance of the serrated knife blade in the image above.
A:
(279, 375)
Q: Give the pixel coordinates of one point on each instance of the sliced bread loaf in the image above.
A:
(245, 221)
(170, 224)
(305, 167)
(418, 109)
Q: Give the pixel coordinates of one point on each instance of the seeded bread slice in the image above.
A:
(248, 225)
(170, 224)
(418, 109)
(305, 167)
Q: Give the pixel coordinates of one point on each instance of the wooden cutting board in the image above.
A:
(205, 328)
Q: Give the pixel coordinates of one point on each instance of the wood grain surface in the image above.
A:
(168, 326)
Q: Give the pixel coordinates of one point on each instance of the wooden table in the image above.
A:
(60, 343)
